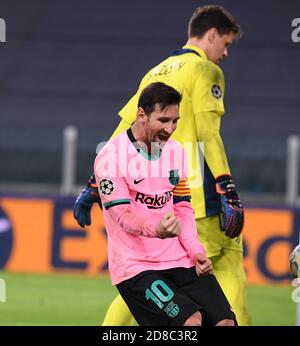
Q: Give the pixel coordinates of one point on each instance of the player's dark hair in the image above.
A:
(212, 16)
(160, 94)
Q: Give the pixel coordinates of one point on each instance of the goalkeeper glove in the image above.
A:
(232, 213)
(84, 202)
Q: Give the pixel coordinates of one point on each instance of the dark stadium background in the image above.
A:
(78, 62)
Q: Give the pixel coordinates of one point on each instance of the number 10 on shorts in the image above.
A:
(161, 293)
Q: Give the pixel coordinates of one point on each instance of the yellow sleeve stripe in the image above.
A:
(183, 180)
(182, 189)
(182, 183)
(183, 186)
(184, 193)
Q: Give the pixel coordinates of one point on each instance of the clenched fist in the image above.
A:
(168, 227)
(203, 264)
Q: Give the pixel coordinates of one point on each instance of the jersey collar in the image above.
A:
(140, 149)
(196, 49)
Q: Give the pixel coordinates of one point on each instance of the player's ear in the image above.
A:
(212, 34)
(141, 115)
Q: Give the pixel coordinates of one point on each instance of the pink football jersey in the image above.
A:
(136, 190)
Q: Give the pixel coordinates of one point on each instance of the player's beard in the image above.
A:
(156, 144)
(161, 140)
(162, 137)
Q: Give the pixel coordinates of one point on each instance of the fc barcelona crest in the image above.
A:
(174, 176)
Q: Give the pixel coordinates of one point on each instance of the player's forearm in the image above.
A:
(215, 156)
(123, 126)
(188, 235)
(132, 222)
(208, 132)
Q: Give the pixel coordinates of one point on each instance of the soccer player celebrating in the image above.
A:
(155, 258)
(193, 70)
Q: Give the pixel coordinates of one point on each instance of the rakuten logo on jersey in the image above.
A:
(156, 202)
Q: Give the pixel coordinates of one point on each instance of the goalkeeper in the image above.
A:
(193, 70)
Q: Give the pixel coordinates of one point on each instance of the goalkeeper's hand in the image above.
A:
(232, 214)
(84, 202)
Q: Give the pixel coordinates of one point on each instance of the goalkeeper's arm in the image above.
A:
(232, 214)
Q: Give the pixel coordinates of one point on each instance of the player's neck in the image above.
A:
(199, 43)
(141, 139)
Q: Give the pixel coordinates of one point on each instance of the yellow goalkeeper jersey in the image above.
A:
(201, 84)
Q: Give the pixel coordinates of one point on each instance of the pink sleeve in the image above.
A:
(133, 223)
(188, 236)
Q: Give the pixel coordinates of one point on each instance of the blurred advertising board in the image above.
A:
(40, 235)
